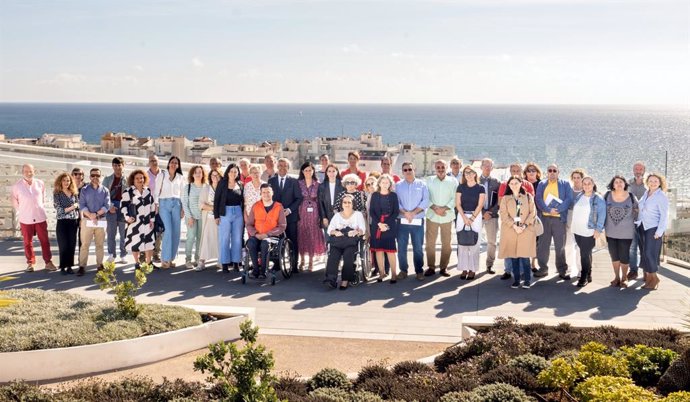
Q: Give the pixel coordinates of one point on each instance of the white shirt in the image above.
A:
(581, 212)
(356, 221)
(331, 187)
(168, 189)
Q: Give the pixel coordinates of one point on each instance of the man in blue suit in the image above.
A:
(286, 191)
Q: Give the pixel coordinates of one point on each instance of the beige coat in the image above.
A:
(515, 245)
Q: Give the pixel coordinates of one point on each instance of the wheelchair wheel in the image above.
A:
(246, 267)
(357, 279)
(365, 259)
(285, 258)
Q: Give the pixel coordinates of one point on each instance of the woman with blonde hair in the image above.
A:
(192, 211)
(66, 203)
(469, 201)
(651, 225)
(384, 209)
(139, 211)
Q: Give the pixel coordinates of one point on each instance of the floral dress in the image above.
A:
(311, 240)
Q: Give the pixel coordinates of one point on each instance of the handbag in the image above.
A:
(344, 241)
(467, 236)
(538, 226)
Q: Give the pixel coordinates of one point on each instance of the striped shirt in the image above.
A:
(190, 203)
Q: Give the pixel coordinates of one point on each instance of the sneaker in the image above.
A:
(402, 275)
(200, 267)
(515, 285)
(29, 268)
(582, 283)
(195, 263)
(157, 259)
(430, 271)
(111, 258)
(506, 276)
(420, 276)
(540, 274)
(444, 273)
(50, 266)
(526, 285)
(69, 271)
(632, 275)
(189, 265)
(123, 260)
(565, 277)
(81, 271)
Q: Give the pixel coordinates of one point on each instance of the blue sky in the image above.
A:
(484, 51)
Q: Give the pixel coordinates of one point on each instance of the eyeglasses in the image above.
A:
(552, 170)
(440, 168)
(407, 170)
(95, 175)
(154, 162)
(469, 172)
(349, 183)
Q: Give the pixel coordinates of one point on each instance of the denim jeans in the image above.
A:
(633, 252)
(521, 264)
(405, 232)
(170, 211)
(230, 234)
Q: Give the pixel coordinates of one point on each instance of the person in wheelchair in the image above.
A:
(345, 230)
(266, 220)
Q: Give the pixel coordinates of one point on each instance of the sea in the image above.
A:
(603, 139)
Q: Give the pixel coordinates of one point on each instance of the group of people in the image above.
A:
(332, 213)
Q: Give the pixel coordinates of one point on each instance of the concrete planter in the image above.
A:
(49, 364)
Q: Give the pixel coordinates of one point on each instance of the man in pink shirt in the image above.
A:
(28, 197)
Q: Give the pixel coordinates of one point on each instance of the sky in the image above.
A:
(320, 51)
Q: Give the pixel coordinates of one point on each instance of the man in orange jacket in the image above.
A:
(266, 219)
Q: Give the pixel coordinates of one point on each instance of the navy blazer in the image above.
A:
(565, 193)
(290, 197)
(326, 205)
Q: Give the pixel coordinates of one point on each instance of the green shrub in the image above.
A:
(125, 291)
(462, 396)
(364, 396)
(611, 389)
(411, 367)
(45, 320)
(462, 377)
(677, 377)
(511, 375)
(500, 393)
(290, 383)
(457, 354)
(646, 364)
(529, 362)
(246, 373)
(328, 394)
(329, 378)
(21, 391)
(562, 374)
(680, 396)
(375, 370)
(599, 364)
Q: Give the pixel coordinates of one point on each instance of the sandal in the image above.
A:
(623, 285)
(463, 275)
(616, 283)
(470, 276)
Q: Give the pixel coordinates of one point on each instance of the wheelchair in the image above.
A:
(363, 263)
(280, 250)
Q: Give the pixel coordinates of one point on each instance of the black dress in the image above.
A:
(384, 208)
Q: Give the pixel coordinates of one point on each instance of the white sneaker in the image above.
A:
(111, 258)
(200, 267)
(189, 265)
(123, 260)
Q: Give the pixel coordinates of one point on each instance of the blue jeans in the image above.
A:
(230, 234)
(633, 252)
(508, 265)
(405, 232)
(521, 264)
(116, 223)
(170, 210)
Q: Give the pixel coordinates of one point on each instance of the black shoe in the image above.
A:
(137, 266)
(515, 285)
(253, 275)
(262, 277)
(379, 280)
(535, 270)
(343, 287)
(540, 274)
(443, 273)
(589, 278)
(236, 266)
(565, 277)
(505, 276)
(489, 270)
(330, 283)
(226, 268)
(430, 271)
(69, 270)
(295, 271)
(581, 283)
(81, 271)
(63, 271)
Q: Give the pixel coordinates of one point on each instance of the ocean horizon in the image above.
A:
(604, 139)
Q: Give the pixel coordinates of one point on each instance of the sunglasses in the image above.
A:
(552, 170)
(407, 170)
(77, 174)
(95, 175)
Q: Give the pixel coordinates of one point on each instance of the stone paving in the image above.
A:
(432, 310)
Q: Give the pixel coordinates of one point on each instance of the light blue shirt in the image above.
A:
(654, 211)
(412, 196)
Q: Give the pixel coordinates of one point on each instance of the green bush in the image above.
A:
(457, 354)
(529, 362)
(462, 377)
(329, 378)
(459, 396)
(328, 394)
(411, 367)
(511, 375)
(244, 375)
(599, 364)
(680, 396)
(364, 396)
(21, 391)
(611, 389)
(646, 364)
(677, 377)
(500, 393)
(290, 383)
(125, 291)
(45, 320)
(562, 374)
(375, 370)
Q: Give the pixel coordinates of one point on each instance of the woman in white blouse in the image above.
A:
(252, 190)
(209, 228)
(168, 197)
(345, 230)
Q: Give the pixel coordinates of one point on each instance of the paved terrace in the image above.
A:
(432, 310)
